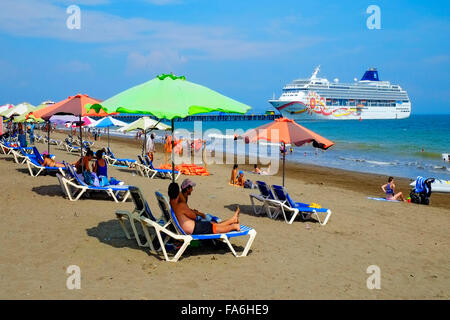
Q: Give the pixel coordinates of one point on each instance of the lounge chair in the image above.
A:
(118, 162)
(21, 154)
(165, 173)
(74, 182)
(181, 235)
(34, 163)
(53, 141)
(287, 205)
(267, 198)
(142, 211)
(141, 167)
(70, 147)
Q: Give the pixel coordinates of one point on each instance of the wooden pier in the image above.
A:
(213, 117)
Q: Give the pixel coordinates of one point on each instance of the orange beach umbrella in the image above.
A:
(74, 105)
(286, 131)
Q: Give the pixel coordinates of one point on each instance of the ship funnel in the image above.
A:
(371, 75)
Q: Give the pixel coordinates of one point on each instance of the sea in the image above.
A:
(405, 148)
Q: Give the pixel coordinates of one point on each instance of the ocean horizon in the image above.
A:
(405, 148)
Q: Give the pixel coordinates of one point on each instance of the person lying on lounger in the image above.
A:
(187, 218)
(256, 169)
(389, 189)
(49, 162)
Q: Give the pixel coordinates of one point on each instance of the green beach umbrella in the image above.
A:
(170, 97)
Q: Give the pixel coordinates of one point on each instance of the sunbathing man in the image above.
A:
(49, 162)
(186, 217)
(389, 189)
(187, 186)
(83, 163)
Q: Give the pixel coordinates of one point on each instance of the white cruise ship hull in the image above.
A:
(319, 99)
(300, 111)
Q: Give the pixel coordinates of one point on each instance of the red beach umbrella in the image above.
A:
(74, 105)
(286, 131)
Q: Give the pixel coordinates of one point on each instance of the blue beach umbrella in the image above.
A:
(109, 122)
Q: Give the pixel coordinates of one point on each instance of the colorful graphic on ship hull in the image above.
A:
(317, 105)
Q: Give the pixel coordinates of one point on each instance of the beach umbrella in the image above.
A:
(285, 131)
(169, 97)
(5, 107)
(24, 118)
(18, 110)
(109, 122)
(73, 105)
(145, 124)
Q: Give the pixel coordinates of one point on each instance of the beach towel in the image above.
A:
(382, 199)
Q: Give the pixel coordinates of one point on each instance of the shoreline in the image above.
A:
(309, 173)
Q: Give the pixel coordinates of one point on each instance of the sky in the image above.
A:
(246, 50)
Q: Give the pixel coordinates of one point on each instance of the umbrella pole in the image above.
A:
(144, 147)
(108, 137)
(81, 145)
(48, 136)
(284, 160)
(173, 161)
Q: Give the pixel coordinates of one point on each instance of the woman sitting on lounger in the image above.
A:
(389, 189)
(187, 218)
(100, 170)
(83, 163)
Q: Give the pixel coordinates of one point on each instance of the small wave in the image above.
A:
(429, 155)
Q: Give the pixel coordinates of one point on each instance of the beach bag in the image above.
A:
(88, 178)
(103, 181)
(416, 197)
(249, 185)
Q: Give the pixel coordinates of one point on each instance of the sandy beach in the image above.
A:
(42, 233)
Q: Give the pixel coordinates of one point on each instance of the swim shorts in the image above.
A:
(204, 227)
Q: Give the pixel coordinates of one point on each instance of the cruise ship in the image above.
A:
(319, 99)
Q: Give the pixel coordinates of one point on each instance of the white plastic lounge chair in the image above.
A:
(287, 205)
(21, 154)
(181, 235)
(269, 202)
(165, 173)
(118, 162)
(142, 168)
(79, 185)
(142, 211)
(71, 148)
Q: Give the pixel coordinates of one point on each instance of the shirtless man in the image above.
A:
(187, 186)
(186, 217)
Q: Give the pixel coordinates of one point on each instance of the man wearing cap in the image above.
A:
(187, 186)
(187, 218)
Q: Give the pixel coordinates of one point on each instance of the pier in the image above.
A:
(212, 117)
